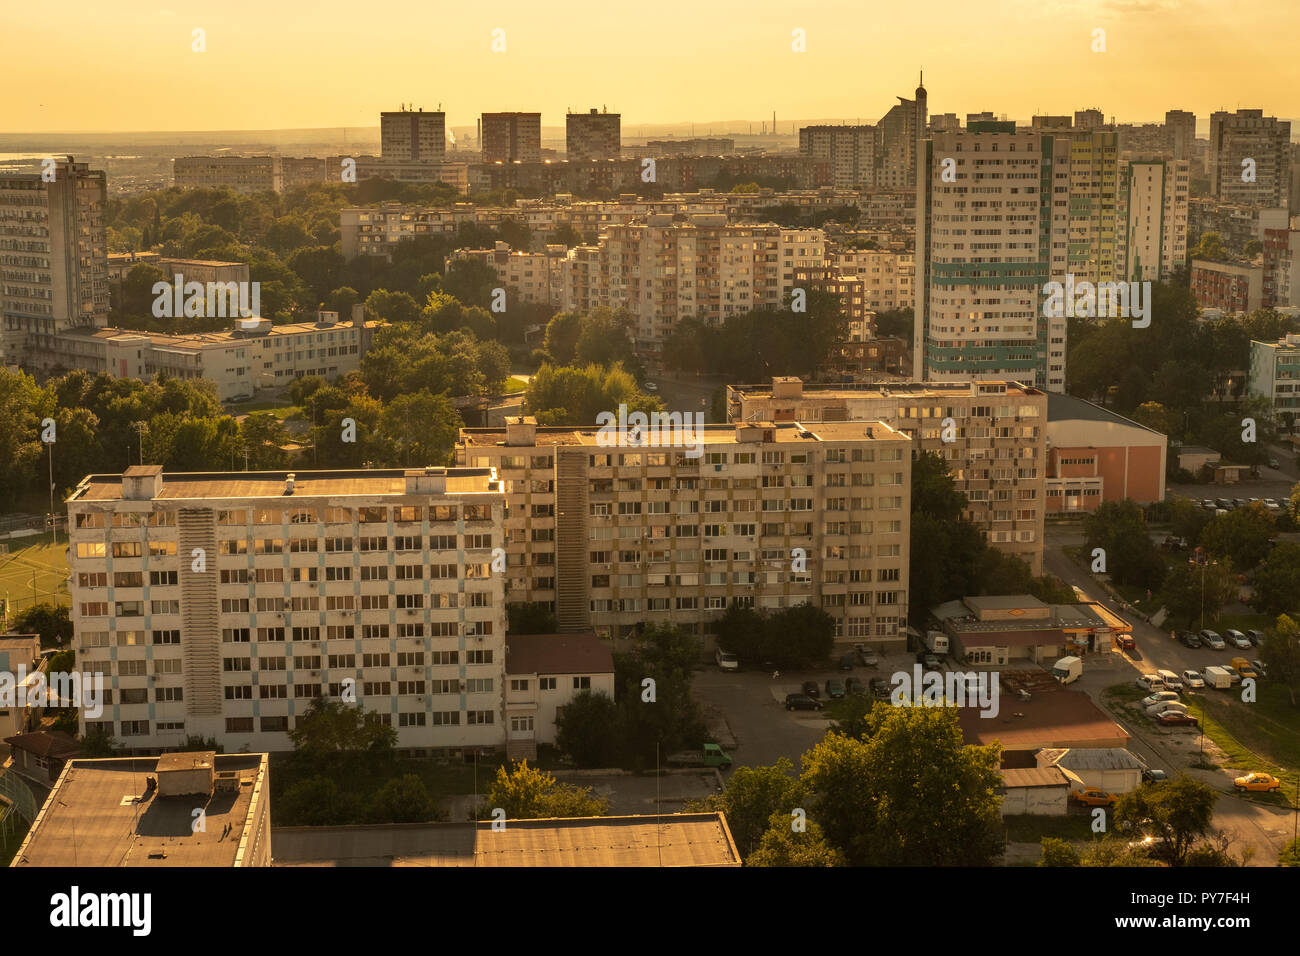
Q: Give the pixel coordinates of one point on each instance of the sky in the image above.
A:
(87, 65)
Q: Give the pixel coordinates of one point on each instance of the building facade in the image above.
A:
(992, 435)
(413, 136)
(592, 136)
(512, 137)
(1275, 374)
(768, 515)
(1152, 218)
(53, 257)
(222, 605)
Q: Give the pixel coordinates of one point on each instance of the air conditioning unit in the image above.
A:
(315, 673)
(463, 685)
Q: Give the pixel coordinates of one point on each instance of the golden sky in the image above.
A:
(129, 65)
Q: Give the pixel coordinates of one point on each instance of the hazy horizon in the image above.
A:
(269, 69)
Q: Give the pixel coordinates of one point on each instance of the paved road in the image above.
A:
(1266, 827)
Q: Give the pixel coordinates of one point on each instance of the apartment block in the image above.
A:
(1152, 218)
(664, 269)
(766, 514)
(888, 278)
(995, 444)
(1250, 158)
(592, 136)
(899, 133)
(1275, 374)
(534, 277)
(53, 257)
(544, 672)
(1229, 286)
(691, 146)
(512, 137)
(243, 174)
(239, 361)
(223, 604)
(850, 150)
(413, 136)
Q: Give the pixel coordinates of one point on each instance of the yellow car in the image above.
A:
(1262, 782)
(1095, 797)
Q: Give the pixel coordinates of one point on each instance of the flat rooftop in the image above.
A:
(1052, 717)
(790, 432)
(558, 654)
(212, 339)
(307, 484)
(671, 839)
(97, 815)
(891, 390)
(1066, 408)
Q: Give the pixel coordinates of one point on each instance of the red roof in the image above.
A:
(557, 654)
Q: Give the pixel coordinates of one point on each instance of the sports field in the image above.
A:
(34, 556)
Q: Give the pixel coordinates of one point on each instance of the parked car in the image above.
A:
(651, 387)
(1257, 783)
(1238, 639)
(801, 702)
(930, 662)
(1095, 797)
(726, 660)
(1151, 682)
(835, 688)
(1190, 639)
(1158, 696)
(1208, 504)
(1172, 680)
(854, 686)
(1126, 642)
(880, 688)
(1154, 776)
(1174, 718)
(1273, 463)
(1223, 503)
(1212, 640)
(1238, 502)
(1193, 680)
(811, 689)
(1256, 637)
(1165, 706)
(1259, 669)
(867, 656)
(847, 661)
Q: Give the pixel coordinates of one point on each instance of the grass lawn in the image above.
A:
(1031, 828)
(1263, 736)
(38, 555)
(514, 386)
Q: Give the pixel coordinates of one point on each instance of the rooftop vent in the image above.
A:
(288, 483)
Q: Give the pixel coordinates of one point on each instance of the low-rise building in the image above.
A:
(1230, 286)
(1275, 374)
(1051, 716)
(1095, 455)
(543, 673)
(20, 659)
(1112, 769)
(139, 811)
(41, 754)
(1006, 629)
(1034, 791)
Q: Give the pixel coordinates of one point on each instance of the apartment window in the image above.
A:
(546, 683)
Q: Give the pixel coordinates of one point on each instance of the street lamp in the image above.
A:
(142, 429)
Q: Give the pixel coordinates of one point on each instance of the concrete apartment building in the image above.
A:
(1095, 455)
(665, 269)
(1275, 374)
(20, 659)
(851, 151)
(995, 449)
(592, 136)
(617, 537)
(1019, 208)
(1152, 217)
(53, 257)
(223, 604)
(1251, 145)
(100, 814)
(1235, 223)
(238, 361)
(888, 278)
(243, 174)
(511, 137)
(535, 277)
(1229, 286)
(413, 136)
(691, 146)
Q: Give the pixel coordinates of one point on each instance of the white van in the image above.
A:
(1172, 680)
(726, 660)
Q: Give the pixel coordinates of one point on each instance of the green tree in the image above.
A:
(1290, 855)
(526, 793)
(1178, 812)
(1281, 655)
(51, 622)
(1116, 851)
(530, 618)
(330, 728)
(1058, 852)
(783, 845)
(1242, 535)
(317, 802)
(264, 436)
(755, 795)
(1120, 529)
(1195, 592)
(424, 428)
(878, 797)
(586, 728)
(402, 799)
(98, 743)
(1277, 580)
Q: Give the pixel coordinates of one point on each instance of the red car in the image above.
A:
(1175, 719)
